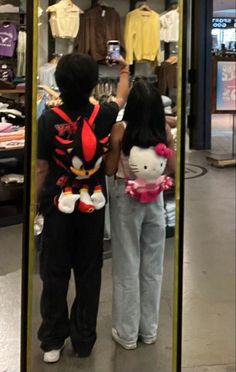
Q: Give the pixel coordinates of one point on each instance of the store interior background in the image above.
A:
(209, 240)
(159, 357)
(209, 262)
(11, 237)
(222, 124)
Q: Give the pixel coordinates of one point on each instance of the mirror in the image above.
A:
(120, 308)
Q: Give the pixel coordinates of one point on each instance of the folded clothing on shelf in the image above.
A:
(170, 208)
(6, 110)
(20, 86)
(12, 144)
(12, 178)
(170, 205)
(5, 127)
(14, 135)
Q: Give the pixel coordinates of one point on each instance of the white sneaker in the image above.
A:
(128, 345)
(52, 356)
(148, 340)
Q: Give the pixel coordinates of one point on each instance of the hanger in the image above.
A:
(145, 7)
(173, 7)
(102, 3)
(22, 27)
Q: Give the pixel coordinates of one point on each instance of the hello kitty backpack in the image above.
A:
(148, 166)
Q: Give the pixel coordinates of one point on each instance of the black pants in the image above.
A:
(70, 242)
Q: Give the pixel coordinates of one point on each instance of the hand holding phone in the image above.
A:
(113, 51)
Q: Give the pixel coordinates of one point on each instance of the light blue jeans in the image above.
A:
(138, 240)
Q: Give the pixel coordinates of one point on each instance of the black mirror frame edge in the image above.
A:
(31, 91)
(29, 207)
(180, 191)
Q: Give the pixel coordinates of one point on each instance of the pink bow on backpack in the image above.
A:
(162, 150)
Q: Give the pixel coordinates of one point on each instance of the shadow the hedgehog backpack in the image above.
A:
(79, 152)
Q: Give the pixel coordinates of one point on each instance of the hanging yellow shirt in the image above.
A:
(142, 36)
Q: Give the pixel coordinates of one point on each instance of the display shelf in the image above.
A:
(11, 198)
(12, 91)
(11, 214)
(11, 153)
(11, 211)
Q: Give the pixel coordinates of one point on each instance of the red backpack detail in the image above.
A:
(79, 151)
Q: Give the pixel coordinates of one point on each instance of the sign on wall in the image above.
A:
(223, 23)
(226, 86)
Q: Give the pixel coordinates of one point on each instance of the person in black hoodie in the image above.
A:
(71, 241)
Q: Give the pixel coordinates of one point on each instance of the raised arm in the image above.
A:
(123, 85)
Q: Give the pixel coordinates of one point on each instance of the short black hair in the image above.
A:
(76, 76)
(145, 117)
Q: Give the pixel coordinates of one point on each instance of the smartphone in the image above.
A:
(113, 51)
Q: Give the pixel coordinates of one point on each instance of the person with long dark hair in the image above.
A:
(138, 230)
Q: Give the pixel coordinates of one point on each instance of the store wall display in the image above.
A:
(142, 35)
(223, 23)
(112, 27)
(98, 25)
(64, 19)
(225, 86)
(170, 26)
(8, 38)
(12, 102)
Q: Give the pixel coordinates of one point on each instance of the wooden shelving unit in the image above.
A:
(11, 198)
(12, 91)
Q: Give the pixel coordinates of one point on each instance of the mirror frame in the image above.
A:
(180, 188)
(30, 195)
(29, 172)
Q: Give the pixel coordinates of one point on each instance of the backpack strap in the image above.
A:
(94, 114)
(63, 115)
(68, 120)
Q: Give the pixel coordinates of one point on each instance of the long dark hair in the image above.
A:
(145, 118)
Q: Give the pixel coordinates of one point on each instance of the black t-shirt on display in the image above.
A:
(47, 131)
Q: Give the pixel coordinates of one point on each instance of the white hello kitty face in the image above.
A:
(146, 164)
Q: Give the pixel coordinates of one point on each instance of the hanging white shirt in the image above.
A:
(170, 26)
(64, 19)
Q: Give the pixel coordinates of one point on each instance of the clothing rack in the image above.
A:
(12, 159)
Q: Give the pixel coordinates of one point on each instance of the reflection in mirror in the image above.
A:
(12, 140)
(127, 219)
